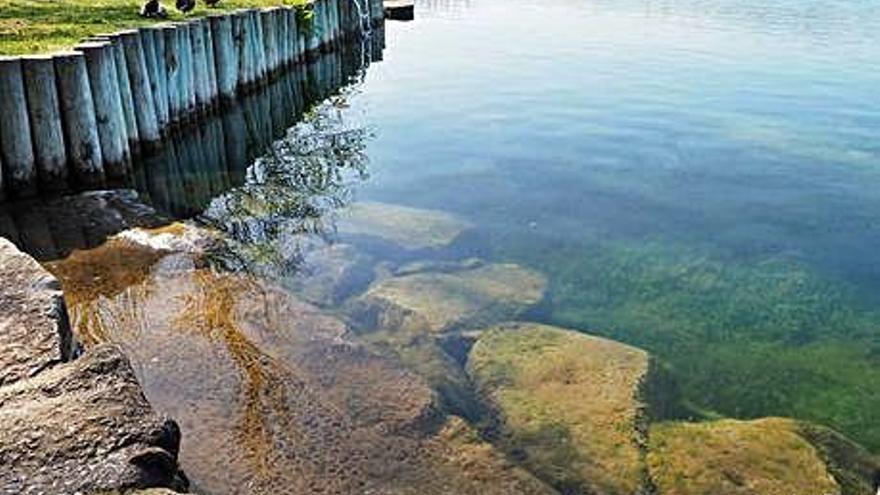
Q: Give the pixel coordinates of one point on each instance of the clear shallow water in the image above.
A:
(696, 178)
(699, 178)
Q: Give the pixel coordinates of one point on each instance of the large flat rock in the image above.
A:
(83, 427)
(34, 331)
(407, 227)
(272, 393)
(730, 457)
(436, 302)
(568, 403)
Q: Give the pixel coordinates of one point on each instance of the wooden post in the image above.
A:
(270, 47)
(142, 93)
(16, 148)
(50, 154)
(225, 56)
(334, 21)
(278, 37)
(283, 36)
(148, 41)
(124, 83)
(259, 46)
(78, 115)
(321, 23)
(377, 10)
(240, 36)
(313, 41)
(109, 115)
(173, 73)
(200, 64)
(213, 87)
(186, 59)
(162, 97)
(293, 33)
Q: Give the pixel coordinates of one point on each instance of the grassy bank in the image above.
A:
(39, 26)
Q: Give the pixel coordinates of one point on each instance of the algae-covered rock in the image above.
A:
(432, 302)
(409, 228)
(731, 457)
(464, 450)
(566, 403)
(856, 470)
(410, 317)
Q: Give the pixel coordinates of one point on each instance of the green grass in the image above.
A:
(40, 26)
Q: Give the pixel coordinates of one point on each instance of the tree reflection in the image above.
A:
(289, 196)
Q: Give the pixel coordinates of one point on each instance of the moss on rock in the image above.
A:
(409, 228)
(430, 302)
(731, 457)
(567, 404)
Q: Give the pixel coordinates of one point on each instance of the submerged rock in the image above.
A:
(409, 228)
(730, 457)
(329, 273)
(566, 403)
(84, 426)
(570, 407)
(34, 331)
(273, 395)
(413, 317)
(124, 261)
(463, 448)
(436, 302)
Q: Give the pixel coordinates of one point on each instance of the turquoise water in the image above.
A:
(697, 178)
(700, 178)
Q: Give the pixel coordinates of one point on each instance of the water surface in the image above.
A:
(699, 178)
(696, 178)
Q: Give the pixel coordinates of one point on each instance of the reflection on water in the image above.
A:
(200, 163)
(692, 177)
(196, 167)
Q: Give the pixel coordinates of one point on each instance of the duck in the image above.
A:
(152, 9)
(186, 5)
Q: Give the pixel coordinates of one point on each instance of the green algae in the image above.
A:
(568, 402)
(745, 338)
(730, 457)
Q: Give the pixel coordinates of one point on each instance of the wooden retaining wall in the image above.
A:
(79, 118)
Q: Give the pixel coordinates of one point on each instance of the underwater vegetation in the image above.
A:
(745, 339)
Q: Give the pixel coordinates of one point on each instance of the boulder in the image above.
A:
(566, 404)
(82, 427)
(406, 227)
(731, 457)
(437, 302)
(34, 330)
(463, 450)
(327, 274)
(415, 317)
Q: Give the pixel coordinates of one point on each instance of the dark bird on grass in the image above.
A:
(212, 3)
(152, 9)
(186, 5)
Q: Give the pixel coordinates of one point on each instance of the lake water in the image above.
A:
(697, 178)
